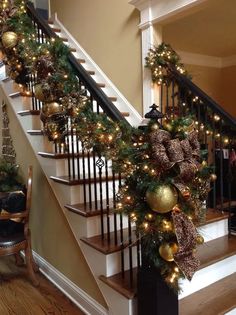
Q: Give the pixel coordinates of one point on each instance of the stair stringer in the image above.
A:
(122, 103)
(49, 167)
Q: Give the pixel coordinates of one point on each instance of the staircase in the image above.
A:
(85, 186)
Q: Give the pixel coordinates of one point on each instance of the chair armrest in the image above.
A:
(9, 216)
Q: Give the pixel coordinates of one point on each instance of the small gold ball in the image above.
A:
(167, 251)
(213, 177)
(204, 163)
(154, 127)
(199, 239)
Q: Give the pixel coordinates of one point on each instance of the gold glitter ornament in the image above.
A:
(167, 251)
(9, 39)
(162, 199)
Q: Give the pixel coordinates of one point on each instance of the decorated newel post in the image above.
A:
(164, 193)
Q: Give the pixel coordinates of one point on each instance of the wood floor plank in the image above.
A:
(19, 297)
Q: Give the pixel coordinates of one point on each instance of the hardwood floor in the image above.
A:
(19, 297)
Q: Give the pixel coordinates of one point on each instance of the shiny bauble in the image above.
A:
(213, 177)
(38, 92)
(199, 239)
(52, 108)
(154, 127)
(162, 199)
(166, 226)
(150, 217)
(204, 163)
(167, 251)
(9, 40)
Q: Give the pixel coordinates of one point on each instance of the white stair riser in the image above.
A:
(109, 264)
(75, 193)
(91, 226)
(206, 276)
(31, 122)
(214, 230)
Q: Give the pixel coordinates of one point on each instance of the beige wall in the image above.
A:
(208, 79)
(228, 89)
(108, 31)
(51, 236)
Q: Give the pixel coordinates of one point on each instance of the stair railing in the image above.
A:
(217, 133)
(85, 168)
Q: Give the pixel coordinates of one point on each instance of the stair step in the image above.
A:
(113, 98)
(6, 79)
(80, 60)
(108, 247)
(225, 205)
(35, 132)
(66, 180)
(91, 72)
(58, 156)
(218, 298)
(56, 30)
(216, 250)
(28, 112)
(72, 49)
(15, 94)
(64, 39)
(208, 253)
(125, 114)
(89, 210)
(50, 22)
(125, 284)
(213, 215)
(101, 85)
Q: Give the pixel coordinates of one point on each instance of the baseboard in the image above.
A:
(87, 304)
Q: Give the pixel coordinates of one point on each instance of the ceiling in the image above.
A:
(209, 31)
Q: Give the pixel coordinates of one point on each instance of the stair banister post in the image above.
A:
(154, 296)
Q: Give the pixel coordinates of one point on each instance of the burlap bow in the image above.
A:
(169, 152)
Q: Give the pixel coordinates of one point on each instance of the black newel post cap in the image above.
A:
(154, 113)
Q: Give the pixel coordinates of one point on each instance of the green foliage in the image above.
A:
(9, 178)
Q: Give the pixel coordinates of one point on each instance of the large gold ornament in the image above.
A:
(167, 251)
(162, 199)
(9, 39)
(52, 108)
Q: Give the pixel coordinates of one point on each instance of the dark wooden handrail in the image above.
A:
(185, 82)
(102, 99)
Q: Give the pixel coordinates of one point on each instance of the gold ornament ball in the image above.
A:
(199, 239)
(9, 39)
(167, 251)
(162, 199)
(204, 163)
(213, 177)
(154, 127)
(38, 92)
(52, 108)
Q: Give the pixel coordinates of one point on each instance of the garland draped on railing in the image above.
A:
(167, 178)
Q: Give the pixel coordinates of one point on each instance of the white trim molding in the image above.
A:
(80, 298)
(153, 11)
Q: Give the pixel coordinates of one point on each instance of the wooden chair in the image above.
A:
(13, 244)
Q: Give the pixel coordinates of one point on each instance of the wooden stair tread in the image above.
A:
(225, 205)
(218, 298)
(112, 98)
(213, 215)
(66, 180)
(28, 112)
(101, 85)
(57, 156)
(122, 283)
(125, 114)
(56, 30)
(35, 132)
(91, 72)
(80, 60)
(216, 250)
(209, 253)
(90, 210)
(105, 247)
